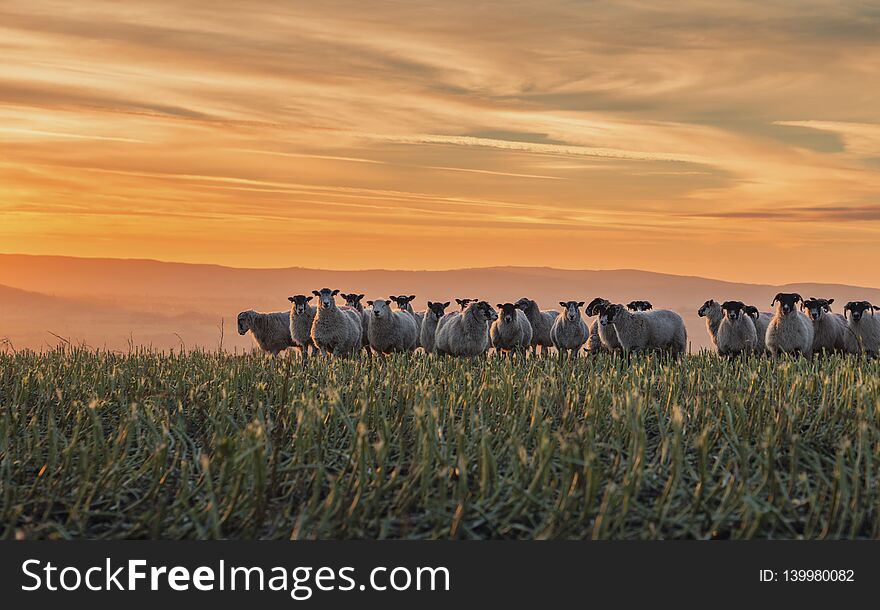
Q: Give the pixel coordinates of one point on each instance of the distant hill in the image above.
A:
(108, 301)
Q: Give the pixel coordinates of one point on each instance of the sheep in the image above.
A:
(659, 329)
(300, 320)
(433, 314)
(569, 332)
(711, 310)
(761, 319)
(639, 306)
(736, 333)
(354, 301)
(601, 338)
(462, 303)
(511, 332)
(865, 330)
(404, 304)
(271, 331)
(541, 321)
(336, 330)
(830, 330)
(465, 333)
(789, 331)
(391, 331)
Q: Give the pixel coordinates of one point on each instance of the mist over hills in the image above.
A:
(113, 303)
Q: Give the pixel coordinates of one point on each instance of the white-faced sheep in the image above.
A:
(761, 320)
(541, 321)
(511, 332)
(865, 328)
(465, 333)
(830, 332)
(353, 300)
(602, 338)
(391, 331)
(789, 331)
(336, 330)
(659, 329)
(639, 306)
(271, 331)
(711, 310)
(427, 333)
(301, 317)
(569, 331)
(736, 333)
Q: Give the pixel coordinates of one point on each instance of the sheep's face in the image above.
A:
(816, 308)
(572, 309)
(352, 300)
(485, 310)
(751, 311)
(508, 311)
(300, 303)
(525, 304)
(381, 309)
(857, 309)
(609, 314)
(706, 308)
(639, 305)
(596, 307)
(326, 297)
(437, 309)
(733, 309)
(403, 301)
(244, 322)
(787, 302)
(463, 303)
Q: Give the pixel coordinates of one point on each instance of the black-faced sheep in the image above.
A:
(659, 329)
(830, 332)
(789, 331)
(336, 330)
(602, 338)
(569, 332)
(541, 321)
(404, 303)
(428, 331)
(465, 333)
(512, 331)
(865, 328)
(353, 300)
(391, 331)
(736, 333)
(300, 319)
(271, 331)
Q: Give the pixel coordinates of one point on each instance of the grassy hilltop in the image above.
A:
(211, 445)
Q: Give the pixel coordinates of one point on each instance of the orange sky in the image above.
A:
(737, 140)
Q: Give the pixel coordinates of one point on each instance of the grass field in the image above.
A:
(207, 445)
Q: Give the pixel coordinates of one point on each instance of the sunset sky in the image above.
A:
(735, 140)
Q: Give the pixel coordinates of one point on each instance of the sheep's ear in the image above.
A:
(388, 302)
(290, 299)
(776, 298)
(580, 303)
(562, 303)
(309, 299)
(797, 298)
(446, 304)
(335, 292)
(412, 297)
(370, 303)
(316, 293)
(430, 304)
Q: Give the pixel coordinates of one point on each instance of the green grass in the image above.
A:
(206, 445)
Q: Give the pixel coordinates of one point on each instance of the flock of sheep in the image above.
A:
(797, 326)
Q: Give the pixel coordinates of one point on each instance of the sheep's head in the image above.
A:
(352, 299)
(381, 309)
(857, 309)
(463, 303)
(610, 312)
(751, 311)
(572, 309)
(639, 305)
(300, 303)
(707, 307)
(325, 296)
(244, 321)
(787, 302)
(403, 301)
(816, 308)
(733, 309)
(596, 306)
(438, 309)
(526, 304)
(508, 311)
(485, 310)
